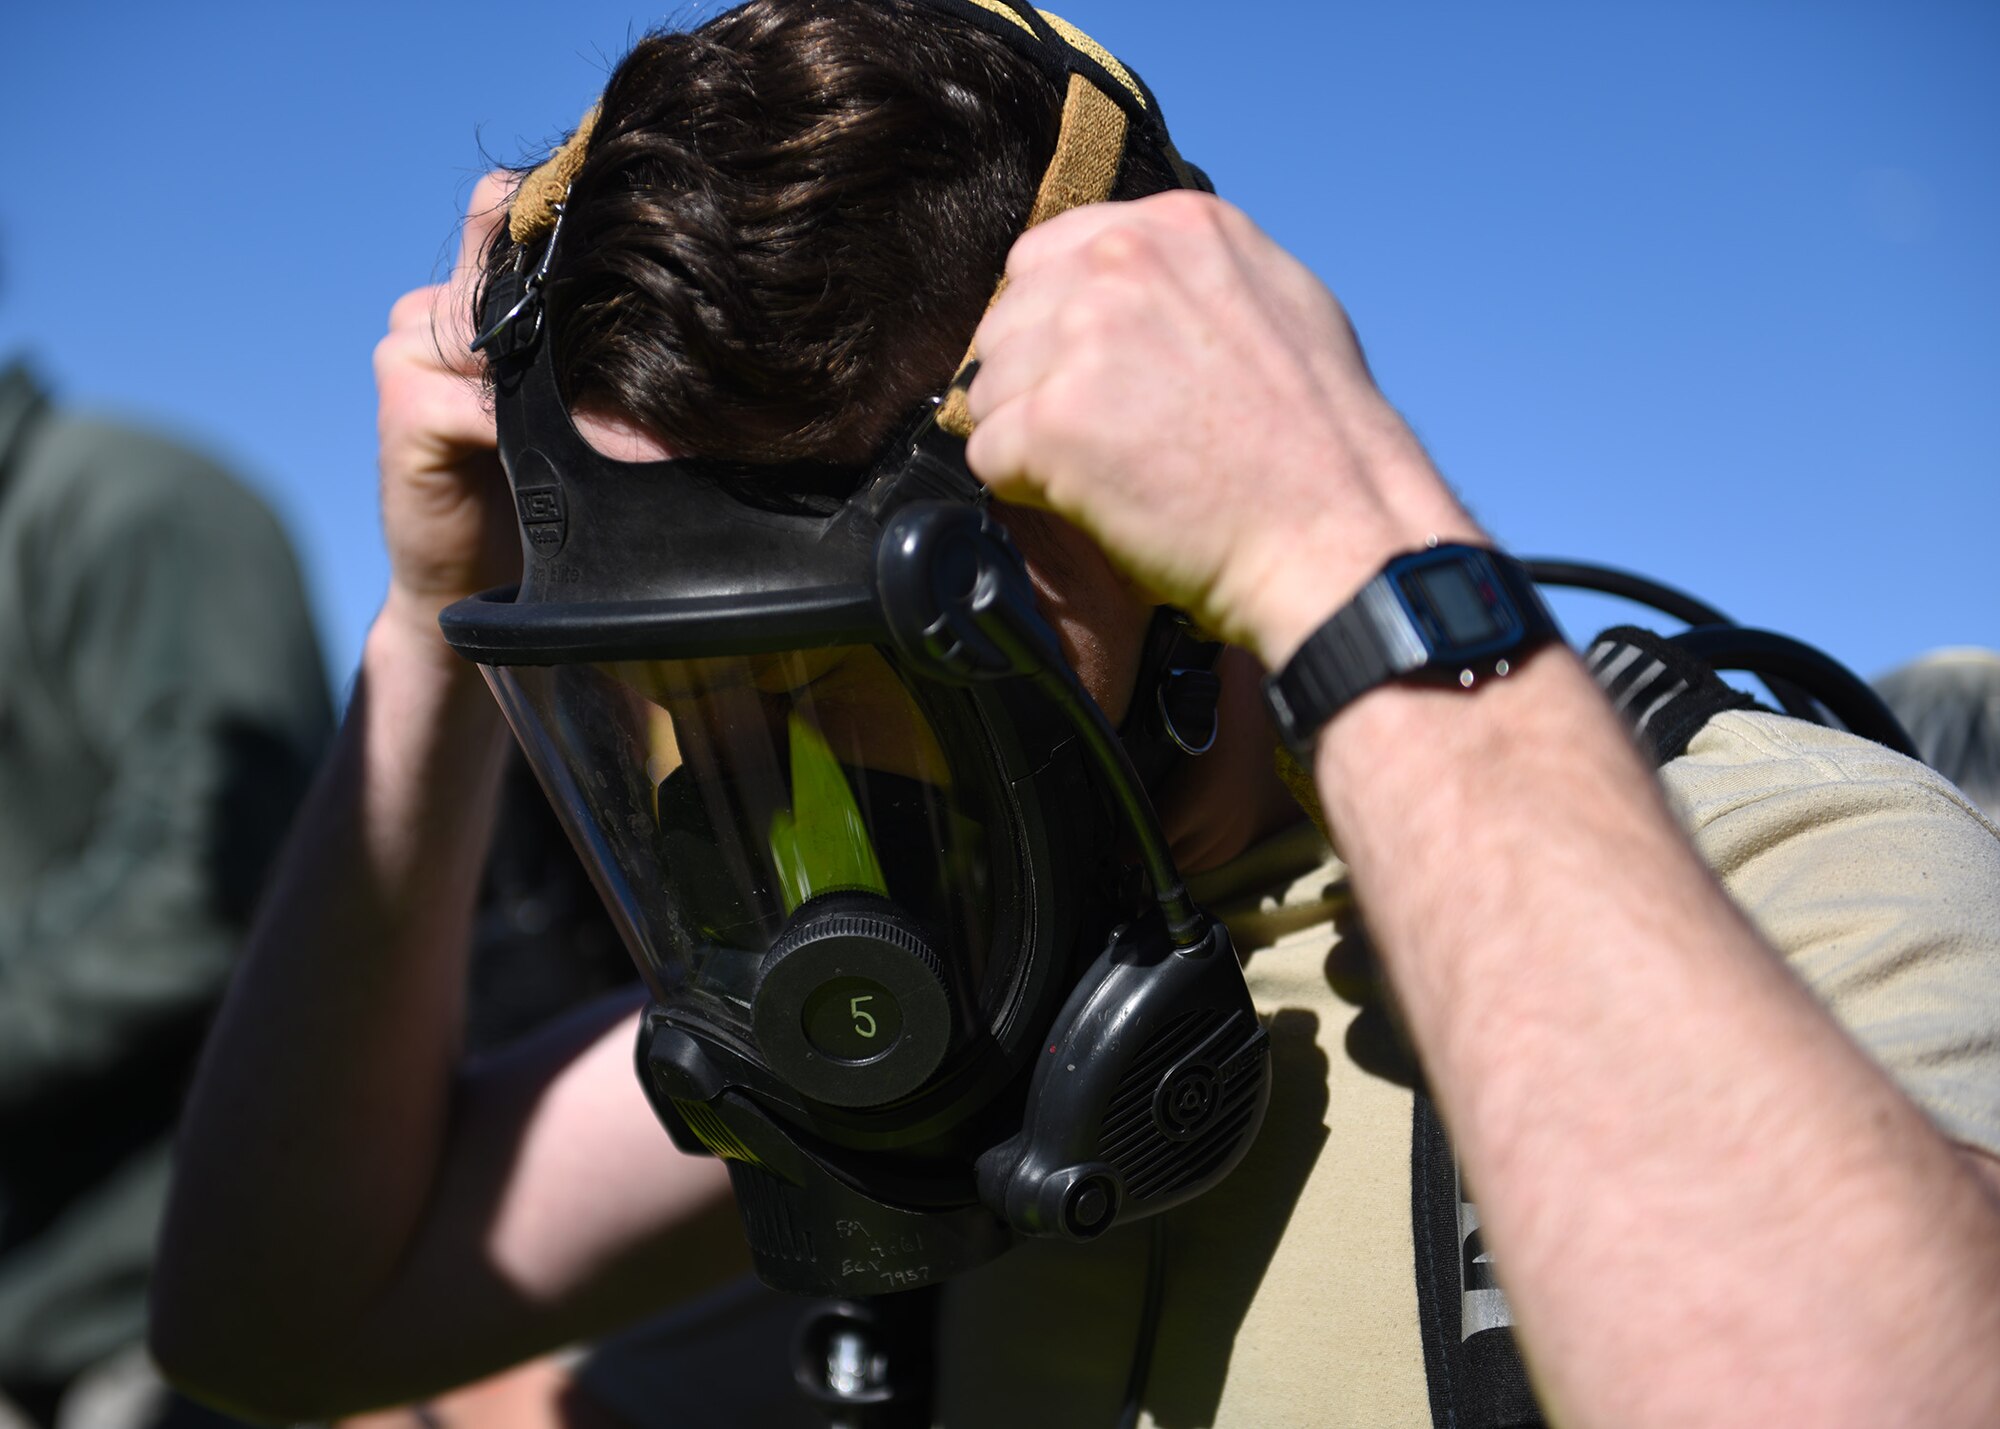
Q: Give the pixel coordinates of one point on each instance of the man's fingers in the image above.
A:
(1021, 306)
(453, 417)
(1012, 361)
(453, 317)
(1020, 347)
(1164, 217)
(997, 451)
(486, 211)
(425, 327)
(1107, 266)
(413, 309)
(1181, 220)
(419, 396)
(1062, 236)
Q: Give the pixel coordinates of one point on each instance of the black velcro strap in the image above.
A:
(1476, 1380)
(1664, 694)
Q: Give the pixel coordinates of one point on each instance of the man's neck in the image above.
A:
(1219, 804)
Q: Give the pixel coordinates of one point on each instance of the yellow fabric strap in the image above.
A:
(1082, 171)
(534, 210)
(1088, 148)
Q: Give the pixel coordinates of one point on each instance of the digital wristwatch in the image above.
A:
(1448, 614)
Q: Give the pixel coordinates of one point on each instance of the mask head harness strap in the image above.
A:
(1107, 109)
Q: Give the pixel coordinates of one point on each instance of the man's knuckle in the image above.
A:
(1185, 211)
(1122, 249)
(1056, 412)
(1030, 416)
(1078, 320)
(1030, 249)
(413, 308)
(1223, 214)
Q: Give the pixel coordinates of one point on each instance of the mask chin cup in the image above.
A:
(811, 1230)
(1149, 1092)
(821, 1236)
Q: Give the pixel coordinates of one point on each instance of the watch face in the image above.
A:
(1455, 599)
(1458, 603)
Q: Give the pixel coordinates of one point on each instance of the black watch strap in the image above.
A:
(1444, 614)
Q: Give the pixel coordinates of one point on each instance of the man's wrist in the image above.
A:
(1309, 576)
(1362, 509)
(406, 633)
(1444, 612)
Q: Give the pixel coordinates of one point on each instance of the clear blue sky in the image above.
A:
(1707, 289)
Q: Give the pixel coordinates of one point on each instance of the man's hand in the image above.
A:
(342, 1181)
(1167, 377)
(445, 514)
(1656, 1112)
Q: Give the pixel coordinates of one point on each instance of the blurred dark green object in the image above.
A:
(162, 707)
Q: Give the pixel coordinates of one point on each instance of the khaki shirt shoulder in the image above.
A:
(1880, 882)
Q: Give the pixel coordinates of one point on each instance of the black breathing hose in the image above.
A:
(1768, 654)
(1669, 600)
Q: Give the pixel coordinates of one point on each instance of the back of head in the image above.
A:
(790, 219)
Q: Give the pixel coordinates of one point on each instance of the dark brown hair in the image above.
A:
(790, 219)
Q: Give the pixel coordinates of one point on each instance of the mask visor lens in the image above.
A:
(714, 798)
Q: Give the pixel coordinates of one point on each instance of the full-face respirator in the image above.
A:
(921, 968)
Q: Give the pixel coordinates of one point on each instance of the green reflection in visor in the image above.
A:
(820, 844)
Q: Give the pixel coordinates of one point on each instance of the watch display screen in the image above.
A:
(1463, 610)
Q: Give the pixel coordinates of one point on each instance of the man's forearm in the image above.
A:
(314, 1130)
(1706, 1204)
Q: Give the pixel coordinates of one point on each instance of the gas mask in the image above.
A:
(920, 966)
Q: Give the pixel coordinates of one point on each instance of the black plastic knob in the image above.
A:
(852, 1006)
